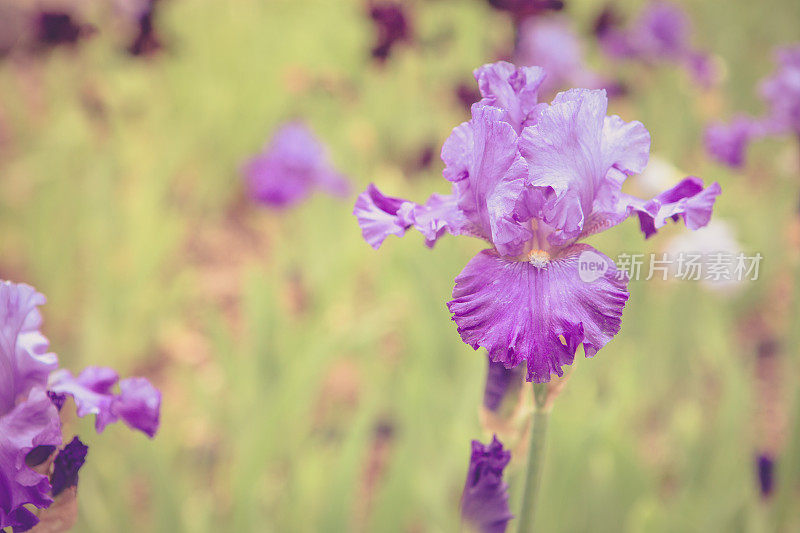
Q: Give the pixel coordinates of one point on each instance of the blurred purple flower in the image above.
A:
(146, 42)
(291, 167)
(552, 44)
(467, 94)
(781, 92)
(66, 466)
(391, 26)
(532, 179)
(661, 33)
(484, 502)
(765, 469)
(728, 142)
(54, 28)
(31, 395)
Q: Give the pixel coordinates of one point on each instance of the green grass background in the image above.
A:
(312, 384)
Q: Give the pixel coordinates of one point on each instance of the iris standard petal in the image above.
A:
(564, 154)
(24, 359)
(513, 89)
(482, 160)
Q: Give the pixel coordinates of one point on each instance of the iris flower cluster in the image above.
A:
(781, 93)
(533, 180)
(32, 392)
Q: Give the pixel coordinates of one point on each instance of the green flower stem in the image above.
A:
(541, 413)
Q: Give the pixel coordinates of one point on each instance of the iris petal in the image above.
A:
(523, 313)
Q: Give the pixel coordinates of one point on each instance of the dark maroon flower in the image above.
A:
(607, 20)
(66, 466)
(391, 26)
(54, 28)
(146, 41)
(525, 8)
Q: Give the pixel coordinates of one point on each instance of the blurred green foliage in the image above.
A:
(311, 384)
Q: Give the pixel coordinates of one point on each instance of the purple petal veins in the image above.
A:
(523, 313)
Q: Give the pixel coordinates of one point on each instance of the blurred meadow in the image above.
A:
(312, 384)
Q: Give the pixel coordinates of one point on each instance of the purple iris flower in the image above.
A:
(552, 44)
(391, 25)
(31, 393)
(533, 179)
(484, 502)
(661, 33)
(291, 167)
(781, 92)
